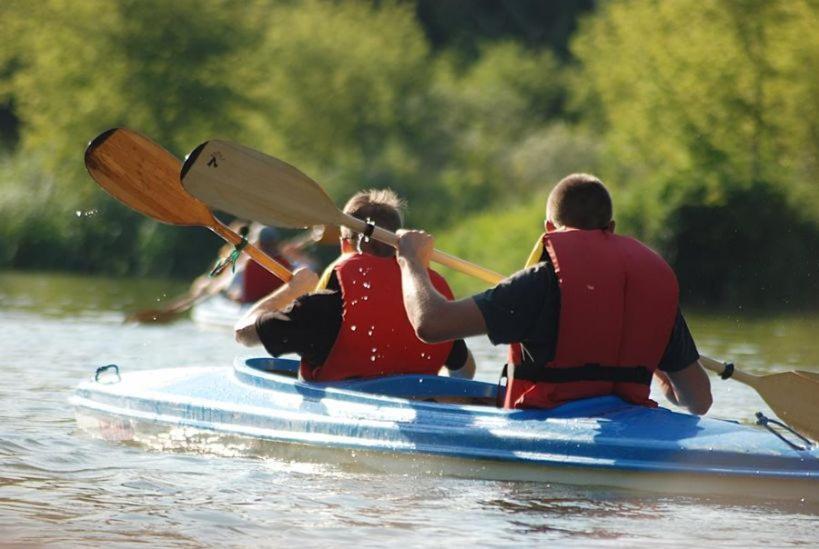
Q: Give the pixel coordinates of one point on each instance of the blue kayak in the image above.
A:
(600, 441)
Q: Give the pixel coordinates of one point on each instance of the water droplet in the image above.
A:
(352, 327)
(374, 349)
(372, 358)
(78, 213)
(364, 298)
(366, 284)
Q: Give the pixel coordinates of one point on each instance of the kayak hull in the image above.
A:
(600, 441)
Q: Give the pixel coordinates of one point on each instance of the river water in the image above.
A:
(61, 486)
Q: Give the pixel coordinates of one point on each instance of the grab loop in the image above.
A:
(222, 264)
(766, 422)
(107, 368)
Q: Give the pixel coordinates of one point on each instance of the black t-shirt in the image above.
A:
(309, 327)
(525, 308)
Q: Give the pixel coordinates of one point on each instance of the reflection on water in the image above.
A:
(60, 486)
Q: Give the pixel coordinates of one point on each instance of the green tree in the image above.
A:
(698, 105)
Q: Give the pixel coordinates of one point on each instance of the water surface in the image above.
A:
(60, 486)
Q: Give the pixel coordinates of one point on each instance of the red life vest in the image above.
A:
(376, 337)
(618, 303)
(257, 281)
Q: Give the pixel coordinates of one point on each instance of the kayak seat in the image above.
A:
(420, 387)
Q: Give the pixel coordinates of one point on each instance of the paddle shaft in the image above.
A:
(719, 368)
(255, 253)
(456, 263)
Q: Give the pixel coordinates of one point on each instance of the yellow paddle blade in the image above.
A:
(252, 185)
(794, 398)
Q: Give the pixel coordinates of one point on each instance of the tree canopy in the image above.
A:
(701, 115)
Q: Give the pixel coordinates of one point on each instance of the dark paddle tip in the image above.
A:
(99, 140)
(191, 158)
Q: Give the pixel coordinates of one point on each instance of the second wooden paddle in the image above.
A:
(141, 174)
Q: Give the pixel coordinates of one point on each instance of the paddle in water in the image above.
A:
(793, 396)
(253, 185)
(144, 176)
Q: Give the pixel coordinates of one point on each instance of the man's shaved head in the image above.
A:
(580, 201)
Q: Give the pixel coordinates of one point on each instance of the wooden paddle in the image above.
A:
(793, 396)
(141, 174)
(252, 185)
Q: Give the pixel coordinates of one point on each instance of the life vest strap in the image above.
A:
(586, 372)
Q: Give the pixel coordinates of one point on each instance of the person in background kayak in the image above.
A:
(252, 282)
(593, 313)
(354, 324)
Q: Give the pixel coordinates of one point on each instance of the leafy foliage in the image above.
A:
(701, 115)
(697, 102)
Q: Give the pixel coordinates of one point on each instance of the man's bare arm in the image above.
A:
(303, 281)
(433, 317)
(689, 388)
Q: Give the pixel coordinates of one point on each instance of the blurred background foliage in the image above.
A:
(702, 116)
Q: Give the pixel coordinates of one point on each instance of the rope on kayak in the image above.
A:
(766, 422)
(231, 259)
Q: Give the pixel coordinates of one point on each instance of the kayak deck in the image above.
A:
(593, 441)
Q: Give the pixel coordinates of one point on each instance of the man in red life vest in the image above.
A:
(353, 324)
(593, 313)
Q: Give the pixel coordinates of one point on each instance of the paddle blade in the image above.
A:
(144, 176)
(794, 398)
(812, 376)
(253, 185)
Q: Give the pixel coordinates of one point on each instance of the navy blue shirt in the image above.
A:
(525, 308)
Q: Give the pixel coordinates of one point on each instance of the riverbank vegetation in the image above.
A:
(703, 117)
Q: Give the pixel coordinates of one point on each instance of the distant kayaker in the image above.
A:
(352, 323)
(593, 313)
(252, 281)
